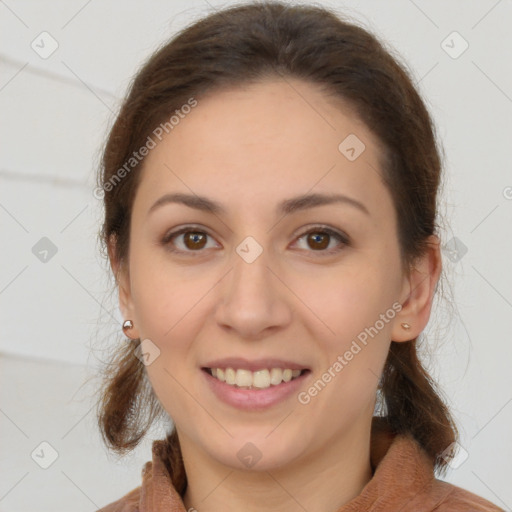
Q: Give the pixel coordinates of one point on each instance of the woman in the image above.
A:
(270, 190)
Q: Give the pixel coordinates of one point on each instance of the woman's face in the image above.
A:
(246, 287)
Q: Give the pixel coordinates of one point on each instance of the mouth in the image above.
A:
(263, 378)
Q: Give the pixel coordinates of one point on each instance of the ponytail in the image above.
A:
(413, 406)
(128, 405)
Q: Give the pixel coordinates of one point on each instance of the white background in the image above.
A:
(57, 316)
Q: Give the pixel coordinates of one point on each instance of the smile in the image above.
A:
(260, 379)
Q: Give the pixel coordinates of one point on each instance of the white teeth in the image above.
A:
(230, 376)
(259, 379)
(276, 376)
(243, 378)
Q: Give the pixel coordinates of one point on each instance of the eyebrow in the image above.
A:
(287, 206)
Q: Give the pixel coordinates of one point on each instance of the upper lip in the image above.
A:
(254, 364)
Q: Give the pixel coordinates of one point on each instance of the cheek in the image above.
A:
(353, 312)
(163, 293)
(346, 300)
(171, 314)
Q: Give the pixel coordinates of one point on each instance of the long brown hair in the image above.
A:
(244, 44)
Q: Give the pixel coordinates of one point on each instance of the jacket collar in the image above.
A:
(402, 474)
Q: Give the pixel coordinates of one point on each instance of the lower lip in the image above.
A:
(254, 399)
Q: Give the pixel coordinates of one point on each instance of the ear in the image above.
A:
(122, 276)
(418, 293)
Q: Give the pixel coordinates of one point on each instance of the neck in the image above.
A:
(322, 481)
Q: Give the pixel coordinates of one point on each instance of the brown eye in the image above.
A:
(187, 241)
(194, 239)
(318, 240)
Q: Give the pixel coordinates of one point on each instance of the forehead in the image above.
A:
(274, 138)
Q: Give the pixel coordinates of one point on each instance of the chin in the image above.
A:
(255, 453)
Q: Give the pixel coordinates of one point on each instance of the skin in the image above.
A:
(250, 148)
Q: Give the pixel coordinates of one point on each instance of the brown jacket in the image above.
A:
(403, 480)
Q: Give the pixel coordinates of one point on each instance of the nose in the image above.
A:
(253, 298)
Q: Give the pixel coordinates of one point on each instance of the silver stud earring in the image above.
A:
(405, 326)
(127, 325)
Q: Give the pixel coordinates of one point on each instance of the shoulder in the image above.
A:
(457, 499)
(128, 503)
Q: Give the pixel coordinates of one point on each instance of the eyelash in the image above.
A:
(324, 230)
